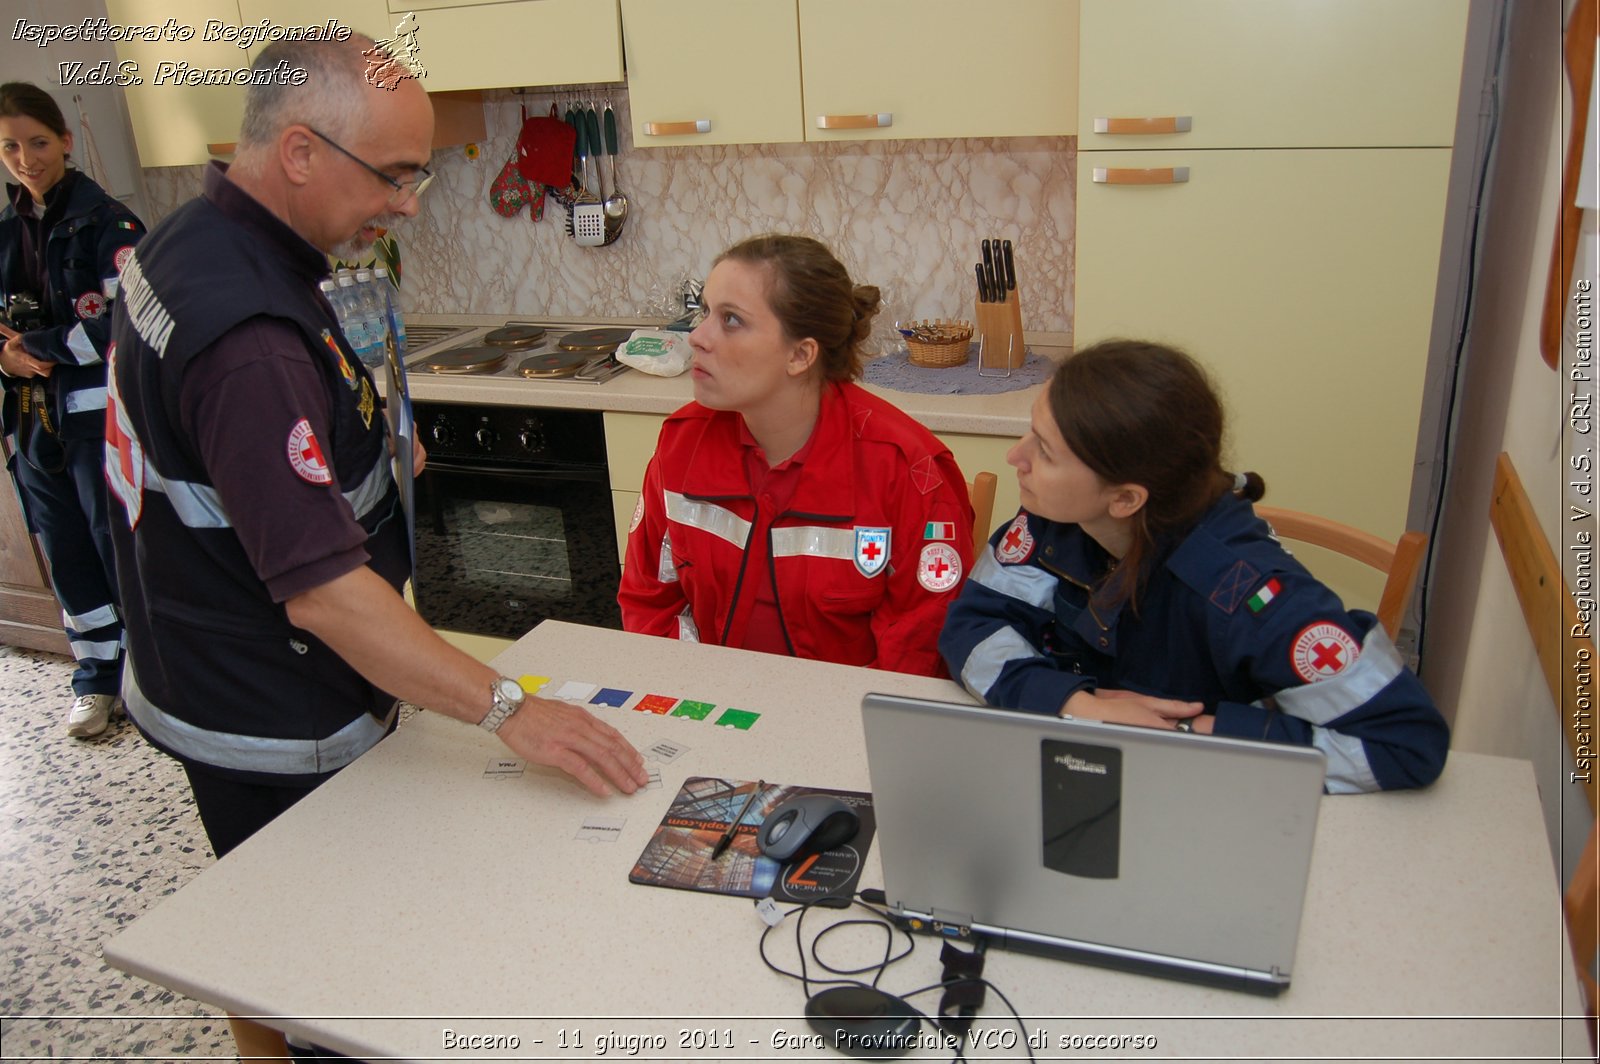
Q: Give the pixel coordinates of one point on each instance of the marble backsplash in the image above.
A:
(905, 215)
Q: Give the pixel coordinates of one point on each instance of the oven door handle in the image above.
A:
(446, 467)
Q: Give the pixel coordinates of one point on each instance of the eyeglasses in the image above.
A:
(404, 191)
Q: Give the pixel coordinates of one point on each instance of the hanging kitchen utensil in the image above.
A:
(586, 218)
(616, 204)
(511, 191)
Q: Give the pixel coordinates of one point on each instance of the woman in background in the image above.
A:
(63, 243)
(786, 509)
(1138, 586)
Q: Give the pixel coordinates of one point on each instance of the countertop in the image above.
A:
(1004, 415)
(434, 886)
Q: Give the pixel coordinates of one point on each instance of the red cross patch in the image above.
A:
(1322, 651)
(1016, 544)
(90, 305)
(872, 550)
(939, 567)
(120, 257)
(305, 454)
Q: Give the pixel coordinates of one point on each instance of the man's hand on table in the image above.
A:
(567, 737)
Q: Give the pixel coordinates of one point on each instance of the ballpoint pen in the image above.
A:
(727, 836)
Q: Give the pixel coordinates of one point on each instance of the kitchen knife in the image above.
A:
(983, 287)
(1011, 266)
(989, 275)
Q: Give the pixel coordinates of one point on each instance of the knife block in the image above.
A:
(1000, 344)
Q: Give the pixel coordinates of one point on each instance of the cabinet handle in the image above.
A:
(877, 121)
(1144, 126)
(675, 129)
(1125, 175)
(224, 148)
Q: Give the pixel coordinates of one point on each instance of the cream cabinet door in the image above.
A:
(712, 71)
(939, 68)
(1304, 280)
(173, 122)
(529, 42)
(1271, 73)
(371, 17)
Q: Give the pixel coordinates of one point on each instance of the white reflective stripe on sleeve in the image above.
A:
(81, 346)
(291, 757)
(88, 622)
(708, 517)
(1327, 700)
(86, 399)
(83, 650)
(666, 571)
(1349, 772)
(814, 541)
(983, 665)
(198, 506)
(1025, 583)
(370, 492)
(688, 631)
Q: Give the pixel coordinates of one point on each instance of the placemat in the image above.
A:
(894, 370)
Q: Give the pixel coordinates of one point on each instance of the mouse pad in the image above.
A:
(678, 854)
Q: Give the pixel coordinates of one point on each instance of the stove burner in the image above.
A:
(467, 360)
(554, 364)
(594, 341)
(515, 336)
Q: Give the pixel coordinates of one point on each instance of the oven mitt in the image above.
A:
(544, 150)
(511, 192)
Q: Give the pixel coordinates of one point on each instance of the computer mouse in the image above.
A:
(810, 823)
(863, 1021)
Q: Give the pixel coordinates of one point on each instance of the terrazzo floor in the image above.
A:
(93, 833)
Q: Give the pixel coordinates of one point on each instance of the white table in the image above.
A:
(417, 892)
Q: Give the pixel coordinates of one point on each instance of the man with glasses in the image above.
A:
(263, 547)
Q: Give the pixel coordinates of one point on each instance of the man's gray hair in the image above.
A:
(333, 98)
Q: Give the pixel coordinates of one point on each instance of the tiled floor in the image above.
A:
(92, 834)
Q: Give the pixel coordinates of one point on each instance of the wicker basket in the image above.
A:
(939, 344)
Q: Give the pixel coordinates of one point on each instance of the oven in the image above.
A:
(514, 519)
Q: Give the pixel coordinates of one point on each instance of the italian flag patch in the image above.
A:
(1268, 592)
(940, 530)
(124, 224)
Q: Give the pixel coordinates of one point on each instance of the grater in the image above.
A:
(587, 224)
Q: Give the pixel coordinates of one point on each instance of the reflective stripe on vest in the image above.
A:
(814, 541)
(253, 753)
(719, 521)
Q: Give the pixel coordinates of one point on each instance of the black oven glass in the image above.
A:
(505, 541)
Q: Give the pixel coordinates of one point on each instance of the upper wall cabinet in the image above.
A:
(173, 121)
(1270, 73)
(712, 71)
(769, 71)
(521, 42)
(939, 68)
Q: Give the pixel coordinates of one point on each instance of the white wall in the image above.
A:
(1478, 658)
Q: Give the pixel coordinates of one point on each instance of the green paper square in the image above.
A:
(693, 710)
(737, 718)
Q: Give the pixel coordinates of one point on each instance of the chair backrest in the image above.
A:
(1400, 562)
(1551, 613)
(981, 491)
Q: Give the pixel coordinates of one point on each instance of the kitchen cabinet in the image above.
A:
(173, 122)
(765, 71)
(1270, 73)
(30, 616)
(519, 42)
(1290, 239)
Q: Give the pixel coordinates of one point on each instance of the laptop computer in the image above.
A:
(1137, 848)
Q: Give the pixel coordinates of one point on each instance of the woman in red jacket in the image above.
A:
(787, 509)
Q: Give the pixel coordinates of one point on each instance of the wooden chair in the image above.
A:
(1400, 562)
(1552, 617)
(981, 490)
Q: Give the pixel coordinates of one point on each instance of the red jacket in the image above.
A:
(869, 553)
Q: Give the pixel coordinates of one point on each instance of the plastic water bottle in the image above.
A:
(353, 317)
(370, 301)
(391, 303)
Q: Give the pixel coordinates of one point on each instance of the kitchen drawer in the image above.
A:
(630, 444)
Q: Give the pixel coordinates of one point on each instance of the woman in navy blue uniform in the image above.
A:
(1138, 586)
(63, 242)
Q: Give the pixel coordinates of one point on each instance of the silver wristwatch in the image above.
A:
(507, 694)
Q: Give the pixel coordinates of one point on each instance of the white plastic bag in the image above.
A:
(658, 351)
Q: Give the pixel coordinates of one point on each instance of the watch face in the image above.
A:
(510, 690)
